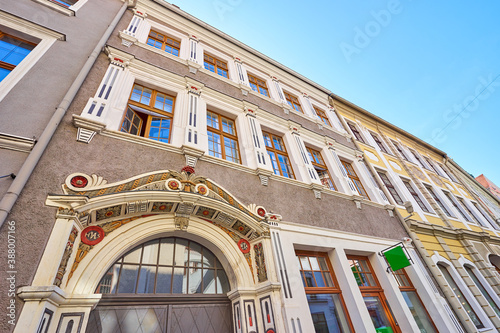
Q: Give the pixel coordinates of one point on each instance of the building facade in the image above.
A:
(196, 185)
(490, 186)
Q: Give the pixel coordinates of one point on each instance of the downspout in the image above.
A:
(31, 161)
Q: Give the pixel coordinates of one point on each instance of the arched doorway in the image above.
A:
(168, 284)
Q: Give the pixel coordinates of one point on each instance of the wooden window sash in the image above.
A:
(223, 134)
(293, 101)
(217, 63)
(322, 115)
(321, 166)
(377, 287)
(416, 196)
(355, 131)
(351, 173)
(391, 188)
(6, 65)
(166, 40)
(276, 152)
(379, 143)
(259, 83)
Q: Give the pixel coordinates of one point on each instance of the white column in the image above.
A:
(337, 124)
(350, 188)
(312, 112)
(279, 90)
(304, 163)
(242, 74)
(257, 148)
(193, 49)
(195, 120)
(135, 24)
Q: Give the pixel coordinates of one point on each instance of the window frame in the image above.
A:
(355, 131)
(164, 42)
(390, 187)
(311, 152)
(400, 150)
(323, 290)
(215, 64)
(417, 157)
(258, 86)
(438, 200)
(354, 177)
(375, 290)
(415, 195)
(428, 160)
(149, 117)
(276, 151)
(379, 142)
(223, 135)
(322, 116)
(469, 211)
(9, 66)
(455, 204)
(482, 288)
(293, 104)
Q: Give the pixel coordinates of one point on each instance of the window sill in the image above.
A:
(58, 8)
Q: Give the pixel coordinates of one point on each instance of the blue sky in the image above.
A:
(431, 69)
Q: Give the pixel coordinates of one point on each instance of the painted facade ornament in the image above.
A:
(65, 258)
(173, 184)
(92, 235)
(260, 262)
(244, 246)
(181, 222)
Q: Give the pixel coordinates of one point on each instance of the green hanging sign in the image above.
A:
(397, 257)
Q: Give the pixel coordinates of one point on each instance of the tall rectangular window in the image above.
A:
(258, 85)
(320, 167)
(222, 139)
(390, 188)
(471, 214)
(355, 131)
(323, 293)
(322, 116)
(415, 196)
(373, 294)
(379, 143)
(460, 295)
(457, 207)
(417, 308)
(400, 150)
(438, 201)
(215, 65)
(417, 157)
(149, 114)
(164, 42)
(279, 157)
(354, 178)
(428, 160)
(12, 51)
(481, 288)
(293, 101)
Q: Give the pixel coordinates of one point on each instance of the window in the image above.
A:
(149, 114)
(418, 310)
(481, 288)
(12, 51)
(215, 65)
(448, 173)
(457, 207)
(461, 298)
(355, 131)
(222, 139)
(277, 152)
(166, 266)
(323, 293)
(390, 188)
(165, 43)
(428, 160)
(322, 116)
(483, 213)
(379, 143)
(464, 205)
(417, 157)
(320, 167)
(400, 150)
(373, 294)
(415, 196)
(354, 178)
(438, 201)
(258, 85)
(293, 101)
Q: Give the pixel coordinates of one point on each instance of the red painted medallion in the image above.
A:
(92, 235)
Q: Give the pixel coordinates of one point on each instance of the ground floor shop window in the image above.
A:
(417, 309)
(373, 295)
(323, 293)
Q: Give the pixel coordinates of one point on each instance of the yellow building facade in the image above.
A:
(453, 232)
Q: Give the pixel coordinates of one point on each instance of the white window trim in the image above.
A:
(464, 261)
(437, 258)
(47, 38)
(70, 11)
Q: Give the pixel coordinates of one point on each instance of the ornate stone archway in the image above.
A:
(97, 222)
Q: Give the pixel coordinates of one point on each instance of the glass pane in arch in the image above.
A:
(168, 265)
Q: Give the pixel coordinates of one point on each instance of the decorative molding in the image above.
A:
(65, 258)
(192, 155)
(85, 135)
(357, 200)
(56, 7)
(17, 143)
(88, 124)
(260, 262)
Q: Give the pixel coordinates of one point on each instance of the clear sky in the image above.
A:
(430, 68)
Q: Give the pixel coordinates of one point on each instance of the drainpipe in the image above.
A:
(34, 156)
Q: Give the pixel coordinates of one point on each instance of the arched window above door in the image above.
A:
(169, 265)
